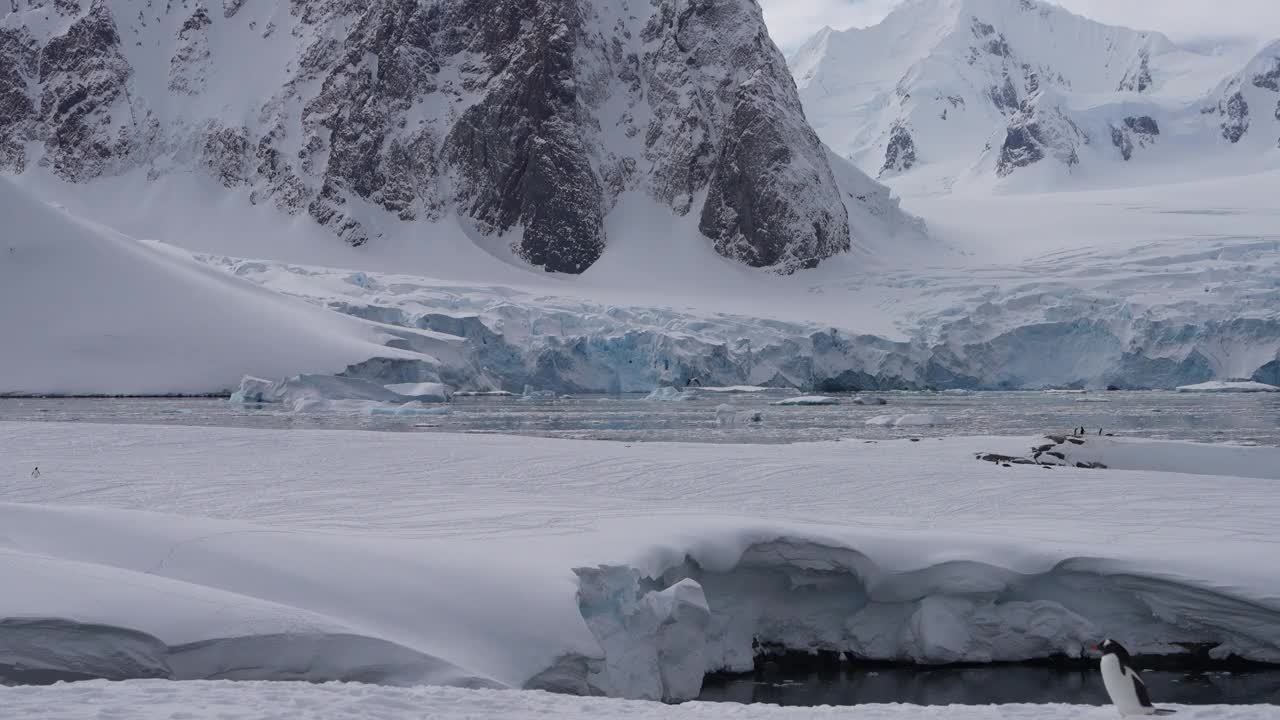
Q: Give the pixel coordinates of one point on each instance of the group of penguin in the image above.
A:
(1124, 685)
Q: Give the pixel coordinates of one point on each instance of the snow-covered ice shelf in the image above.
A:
(157, 700)
(570, 565)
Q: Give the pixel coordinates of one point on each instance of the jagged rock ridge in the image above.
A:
(526, 119)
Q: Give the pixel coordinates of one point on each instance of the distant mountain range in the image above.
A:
(1024, 95)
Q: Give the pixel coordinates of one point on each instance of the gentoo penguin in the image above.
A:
(1123, 683)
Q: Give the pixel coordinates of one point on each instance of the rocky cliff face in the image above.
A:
(524, 119)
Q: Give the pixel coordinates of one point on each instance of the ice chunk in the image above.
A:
(808, 400)
(655, 642)
(666, 393)
(423, 392)
(309, 393)
(532, 393)
(410, 408)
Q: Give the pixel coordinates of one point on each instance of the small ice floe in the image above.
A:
(914, 420)
(735, 389)
(532, 393)
(408, 409)
(484, 393)
(1229, 386)
(870, 401)
(808, 400)
(667, 393)
(728, 416)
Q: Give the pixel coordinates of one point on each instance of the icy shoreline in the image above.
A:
(315, 553)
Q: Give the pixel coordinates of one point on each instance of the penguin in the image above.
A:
(1124, 684)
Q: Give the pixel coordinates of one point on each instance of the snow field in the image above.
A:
(607, 567)
(158, 700)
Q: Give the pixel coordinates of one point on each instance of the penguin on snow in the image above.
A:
(1124, 685)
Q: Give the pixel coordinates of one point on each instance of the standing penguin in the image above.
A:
(1124, 684)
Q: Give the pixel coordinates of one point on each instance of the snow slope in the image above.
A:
(86, 310)
(580, 566)
(1022, 95)
(155, 700)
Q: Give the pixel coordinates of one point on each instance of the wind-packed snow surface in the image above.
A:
(1022, 95)
(583, 566)
(157, 700)
(86, 310)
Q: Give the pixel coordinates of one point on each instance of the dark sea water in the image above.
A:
(1240, 418)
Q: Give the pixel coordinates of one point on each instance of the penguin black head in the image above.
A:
(1111, 647)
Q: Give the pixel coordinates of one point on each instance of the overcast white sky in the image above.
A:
(792, 21)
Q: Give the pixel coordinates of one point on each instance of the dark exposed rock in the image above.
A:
(1036, 133)
(1270, 78)
(1235, 117)
(1143, 125)
(1005, 96)
(1138, 79)
(1134, 131)
(772, 200)
(1122, 142)
(900, 154)
(231, 7)
(186, 67)
(82, 72)
(1023, 146)
(771, 195)
(226, 155)
(998, 46)
(18, 56)
(519, 156)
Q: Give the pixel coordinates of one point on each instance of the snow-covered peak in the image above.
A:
(929, 97)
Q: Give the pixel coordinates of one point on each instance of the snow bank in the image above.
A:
(156, 700)
(1233, 386)
(606, 567)
(84, 310)
(911, 420)
(808, 400)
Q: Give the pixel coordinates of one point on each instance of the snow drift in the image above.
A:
(621, 589)
(87, 310)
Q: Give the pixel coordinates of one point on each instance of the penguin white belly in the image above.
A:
(1120, 686)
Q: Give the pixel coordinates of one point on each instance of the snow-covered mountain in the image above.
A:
(524, 120)
(1024, 95)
